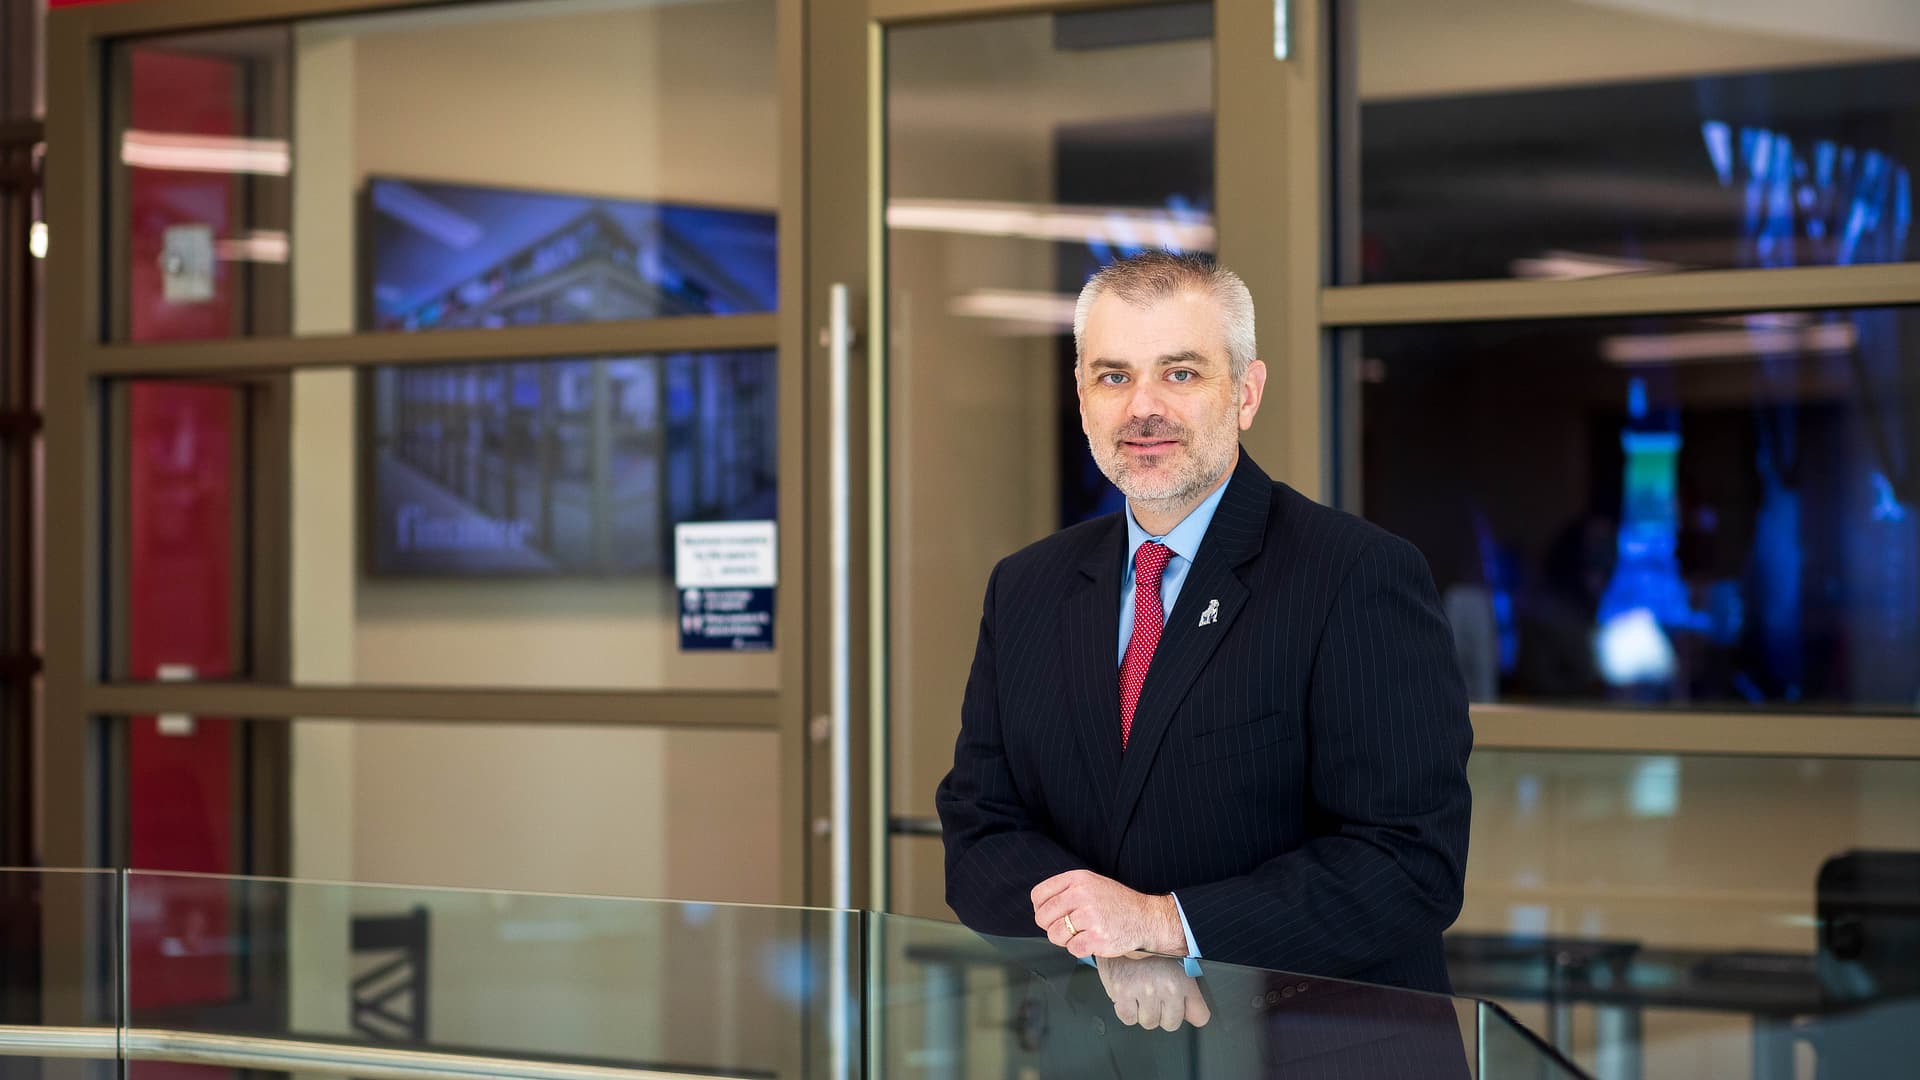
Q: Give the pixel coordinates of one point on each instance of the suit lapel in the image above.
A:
(1089, 641)
(1235, 536)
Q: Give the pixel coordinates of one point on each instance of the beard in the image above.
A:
(1206, 453)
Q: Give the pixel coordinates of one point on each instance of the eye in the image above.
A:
(1180, 375)
(1112, 378)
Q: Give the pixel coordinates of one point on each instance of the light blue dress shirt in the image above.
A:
(1184, 541)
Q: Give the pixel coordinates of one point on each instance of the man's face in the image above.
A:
(1157, 397)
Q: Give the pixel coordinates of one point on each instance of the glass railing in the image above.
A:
(172, 976)
(60, 933)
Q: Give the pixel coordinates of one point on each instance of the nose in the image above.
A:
(1146, 400)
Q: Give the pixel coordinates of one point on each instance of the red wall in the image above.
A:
(179, 95)
(181, 786)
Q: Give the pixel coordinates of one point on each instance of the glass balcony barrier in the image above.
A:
(187, 977)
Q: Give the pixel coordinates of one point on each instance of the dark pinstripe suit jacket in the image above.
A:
(1296, 771)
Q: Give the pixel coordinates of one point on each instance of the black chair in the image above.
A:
(1868, 906)
(389, 999)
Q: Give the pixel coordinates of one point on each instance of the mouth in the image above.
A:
(1150, 447)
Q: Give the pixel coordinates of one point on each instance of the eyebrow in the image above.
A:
(1187, 357)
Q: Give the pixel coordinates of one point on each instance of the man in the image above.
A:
(1224, 723)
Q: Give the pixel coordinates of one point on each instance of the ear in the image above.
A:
(1252, 389)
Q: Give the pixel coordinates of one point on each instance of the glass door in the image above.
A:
(434, 409)
(1014, 153)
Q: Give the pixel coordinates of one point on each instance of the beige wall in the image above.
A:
(1417, 47)
(674, 101)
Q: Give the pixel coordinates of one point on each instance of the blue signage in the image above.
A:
(726, 619)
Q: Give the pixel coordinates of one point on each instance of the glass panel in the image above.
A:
(1022, 154)
(1712, 510)
(487, 165)
(331, 977)
(332, 970)
(1509, 1052)
(59, 961)
(1858, 1042)
(1619, 901)
(200, 169)
(960, 1005)
(549, 807)
(592, 522)
(1567, 139)
(917, 877)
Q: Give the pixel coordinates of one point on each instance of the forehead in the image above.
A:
(1187, 321)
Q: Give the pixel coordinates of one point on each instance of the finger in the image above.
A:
(1091, 944)
(1198, 1013)
(1052, 887)
(1171, 1009)
(1126, 1008)
(1058, 906)
(1054, 925)
(1153, 1010)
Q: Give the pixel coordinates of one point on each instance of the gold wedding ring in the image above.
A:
(1070, 930)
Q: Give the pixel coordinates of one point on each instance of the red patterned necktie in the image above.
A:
(1148, 562)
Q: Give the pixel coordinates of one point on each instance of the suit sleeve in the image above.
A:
(1388, 739)
(997, 850)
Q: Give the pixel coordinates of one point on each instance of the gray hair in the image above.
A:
(1155, 275)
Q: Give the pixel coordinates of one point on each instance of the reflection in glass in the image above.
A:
(1654, 139)
(1704, 510)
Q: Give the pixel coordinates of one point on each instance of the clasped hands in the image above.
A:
(1096, 917)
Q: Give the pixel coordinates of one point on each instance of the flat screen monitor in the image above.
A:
(568, 466)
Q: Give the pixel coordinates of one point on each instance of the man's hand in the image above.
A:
(1108, 918)
(1153, 992)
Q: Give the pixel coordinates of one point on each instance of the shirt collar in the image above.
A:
(1184, 539)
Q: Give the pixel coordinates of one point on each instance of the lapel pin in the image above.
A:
(1212, 614)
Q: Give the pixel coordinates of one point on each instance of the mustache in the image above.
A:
(1153, 427)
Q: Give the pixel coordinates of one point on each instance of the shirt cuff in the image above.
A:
(1193, 947)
